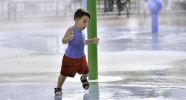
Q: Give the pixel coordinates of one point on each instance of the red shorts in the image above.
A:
(71, 66)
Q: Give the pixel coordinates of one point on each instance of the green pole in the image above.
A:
(92, 32)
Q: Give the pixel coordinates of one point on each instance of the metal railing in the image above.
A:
(43, 8)
(40, 8)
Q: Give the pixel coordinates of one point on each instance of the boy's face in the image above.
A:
(82, 22)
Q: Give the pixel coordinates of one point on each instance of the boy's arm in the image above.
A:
(92, 41)
(68, 36)
(89, 41)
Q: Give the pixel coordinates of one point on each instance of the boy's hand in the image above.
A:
(70, 37)
(95, 40)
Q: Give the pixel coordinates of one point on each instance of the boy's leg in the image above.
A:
(84, 81)
(61, 80)
(84, 76)
(84, 71)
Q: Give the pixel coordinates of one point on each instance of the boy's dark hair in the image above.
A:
(80, 13)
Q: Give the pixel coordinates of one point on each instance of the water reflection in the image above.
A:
(155, 41)
(86, 96)
(125, 38)
(93, 92)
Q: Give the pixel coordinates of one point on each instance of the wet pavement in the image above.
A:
(141, 38)
(131, 65)
(97, 91)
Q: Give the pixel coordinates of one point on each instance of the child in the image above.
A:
(74, 60)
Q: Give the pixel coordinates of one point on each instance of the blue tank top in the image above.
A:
(75, 47)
